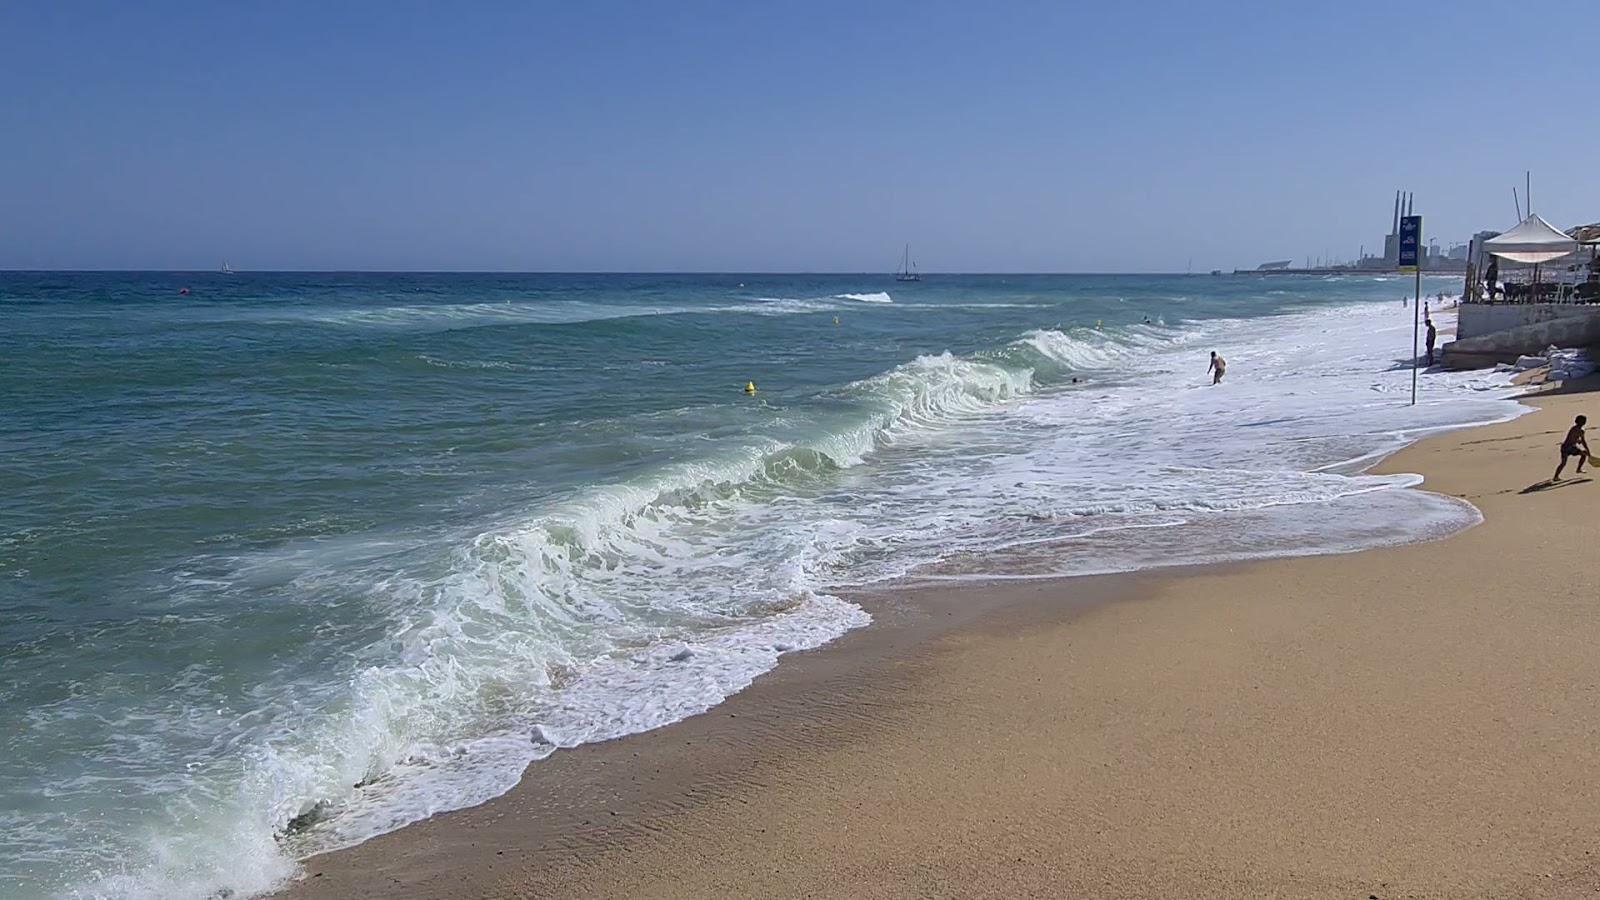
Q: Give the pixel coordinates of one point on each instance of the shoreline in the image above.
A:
(575, 798)
(581, 820)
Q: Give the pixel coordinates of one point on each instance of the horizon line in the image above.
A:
(111, 271)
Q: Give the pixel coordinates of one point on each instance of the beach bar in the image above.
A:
(1550, 295)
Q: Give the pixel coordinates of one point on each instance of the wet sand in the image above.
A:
(1417, 721)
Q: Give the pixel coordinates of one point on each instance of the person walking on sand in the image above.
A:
(1218, 367)
(1575, 444)
(1433, 335)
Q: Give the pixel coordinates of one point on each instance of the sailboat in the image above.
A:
(908, 271)
(227, 269)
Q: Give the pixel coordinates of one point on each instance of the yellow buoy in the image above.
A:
(749, 387)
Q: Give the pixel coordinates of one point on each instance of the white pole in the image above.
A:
(1416, 326)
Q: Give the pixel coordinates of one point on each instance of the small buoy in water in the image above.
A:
(749, 387)
(835, 320)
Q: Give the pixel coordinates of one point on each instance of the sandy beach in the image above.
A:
(777, 451)
(1417, 721)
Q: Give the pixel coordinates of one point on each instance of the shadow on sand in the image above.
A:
(1552, 485)
(1404, 365)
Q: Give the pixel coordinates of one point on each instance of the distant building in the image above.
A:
(1476, 246)
(1275, 264)
(1391, 241)
(1433, 258)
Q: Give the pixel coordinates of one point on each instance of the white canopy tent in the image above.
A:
(1532, 241)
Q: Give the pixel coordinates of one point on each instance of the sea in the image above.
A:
(291, 560)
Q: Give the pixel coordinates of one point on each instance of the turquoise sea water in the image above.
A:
(293, 559)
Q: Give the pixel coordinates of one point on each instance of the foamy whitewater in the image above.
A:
(297, 560)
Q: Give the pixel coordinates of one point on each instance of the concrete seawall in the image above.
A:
(1582, 330)
(1476, 320)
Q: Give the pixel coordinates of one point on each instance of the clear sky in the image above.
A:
(752, 136)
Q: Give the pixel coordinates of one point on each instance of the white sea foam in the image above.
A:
(784, 306)
(448, 316)
(425, 317)
(1073, 353)
(631, 605)
(512, 311)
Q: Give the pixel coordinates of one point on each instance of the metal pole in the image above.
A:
(1416, 328)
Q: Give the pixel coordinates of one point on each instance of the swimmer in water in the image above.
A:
(1218, 367)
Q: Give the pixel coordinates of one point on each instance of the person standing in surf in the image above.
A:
(1433, 335)
(1218, 367)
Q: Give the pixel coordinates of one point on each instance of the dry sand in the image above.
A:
(1418, 721)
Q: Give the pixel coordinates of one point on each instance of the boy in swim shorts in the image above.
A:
(1575, 444)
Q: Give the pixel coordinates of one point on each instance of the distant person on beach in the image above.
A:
(1575, 444)
(1433, 335)
(1491, 276)
(1218, 367)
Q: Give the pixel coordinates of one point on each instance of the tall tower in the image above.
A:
(1391, 241)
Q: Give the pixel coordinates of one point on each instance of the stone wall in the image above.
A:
(1475, 320)
(1524, 340)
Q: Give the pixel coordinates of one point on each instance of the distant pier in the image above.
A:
(1343, 271)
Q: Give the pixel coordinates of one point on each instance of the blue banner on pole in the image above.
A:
(1410, 240)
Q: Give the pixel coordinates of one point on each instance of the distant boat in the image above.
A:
(227, 269)
(1216, 271)
(908, 269)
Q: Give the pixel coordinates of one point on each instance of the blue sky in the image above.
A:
(813, 136)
